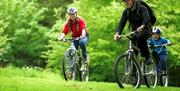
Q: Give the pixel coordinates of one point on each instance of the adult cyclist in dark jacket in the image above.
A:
(139, 19)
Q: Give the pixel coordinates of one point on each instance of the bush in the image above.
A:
(28, 37)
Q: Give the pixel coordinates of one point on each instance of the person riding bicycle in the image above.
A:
(139, 19)
(160, 51)
(76, 25)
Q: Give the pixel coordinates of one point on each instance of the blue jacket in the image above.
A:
(160, 41)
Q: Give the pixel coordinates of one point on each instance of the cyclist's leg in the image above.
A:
(134, 42)
(163, 61)
(158, 68)
(76, 43)
(157, 59)
(83, 42)
(142, 44)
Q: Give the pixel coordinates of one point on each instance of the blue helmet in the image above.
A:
(71, 10)
(156, 30)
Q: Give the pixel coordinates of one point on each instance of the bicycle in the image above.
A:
(73, 63)
(132, 71)
(126, 69)
(163, 76)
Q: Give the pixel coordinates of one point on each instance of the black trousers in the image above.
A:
(140, 40)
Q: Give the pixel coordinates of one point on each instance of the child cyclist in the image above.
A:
(159, 50)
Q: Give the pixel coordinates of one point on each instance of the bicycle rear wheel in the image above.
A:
(150, 74)
(68, 67)
(127, 72)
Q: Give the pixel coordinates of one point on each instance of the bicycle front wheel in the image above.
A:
(127, 72)
(68, 68)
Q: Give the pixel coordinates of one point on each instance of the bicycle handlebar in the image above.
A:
(161, 45)
(67, 39)
(127, 35)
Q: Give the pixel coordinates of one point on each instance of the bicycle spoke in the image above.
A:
(126, 72)
(150, 74)
(68, 67)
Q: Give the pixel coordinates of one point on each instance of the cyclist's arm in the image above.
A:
(64, 33)
(122, 22)
(145, 17)
(61, 36)
(150, 43)
(83, 27)
(167, 42)
(83, 33)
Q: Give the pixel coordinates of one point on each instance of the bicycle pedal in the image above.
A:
(69, 74)
(83, 69)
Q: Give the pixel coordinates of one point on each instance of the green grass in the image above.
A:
(27, 79)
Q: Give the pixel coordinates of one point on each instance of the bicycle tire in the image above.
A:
(66, 68)
(150, 74)
(85, 69)
(116, 71)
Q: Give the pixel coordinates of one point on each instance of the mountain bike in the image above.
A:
(126, 69)
(73, 63)
(128, 72)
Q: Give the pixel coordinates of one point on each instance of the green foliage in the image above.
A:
(21, 20)
(49, 19)
(4, 40)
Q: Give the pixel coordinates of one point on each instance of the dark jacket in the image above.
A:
(139, 16)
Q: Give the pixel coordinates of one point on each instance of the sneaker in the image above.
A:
(163, 72)
(86, 62)
(69, 74)
(83, 68)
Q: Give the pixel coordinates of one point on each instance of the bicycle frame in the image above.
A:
(131, 48)
(130, 53)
